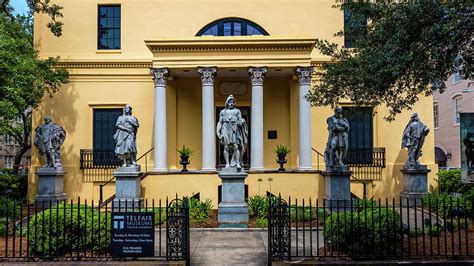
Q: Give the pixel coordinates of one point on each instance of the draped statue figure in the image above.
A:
(338, 139)
(48, 139)
(413, 139)
(126, 137)
(232, 132)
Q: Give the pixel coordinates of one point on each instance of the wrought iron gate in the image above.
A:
(279, 244)
(177, 231)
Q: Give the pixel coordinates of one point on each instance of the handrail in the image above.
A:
(319, 155)
(101, 186)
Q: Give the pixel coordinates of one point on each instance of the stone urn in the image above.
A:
(184, 161)
(281, 152)
(281, 161)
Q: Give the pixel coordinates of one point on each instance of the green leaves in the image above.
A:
(407, 47)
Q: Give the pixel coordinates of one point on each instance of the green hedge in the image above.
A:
(373, 233)
(67, 228)
(258, 206)
(13, 186)
(199, 210)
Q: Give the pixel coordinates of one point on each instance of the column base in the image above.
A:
(233, 208)
(209, 169)
(305, 168)
(257, 169)
(233, 213)
(415, 185)
(161, 170)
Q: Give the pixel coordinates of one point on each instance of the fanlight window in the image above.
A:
(231, 27)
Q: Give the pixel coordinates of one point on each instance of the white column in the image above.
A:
(208, 118)
(257, 75)
(305, 153)
(159, 121)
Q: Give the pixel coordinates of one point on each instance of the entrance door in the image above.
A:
(245, 110)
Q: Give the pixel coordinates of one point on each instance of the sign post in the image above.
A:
(133, 234)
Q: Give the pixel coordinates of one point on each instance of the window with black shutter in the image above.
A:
(360, 135)
(103, 132)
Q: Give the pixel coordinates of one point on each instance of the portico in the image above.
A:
(245, 66)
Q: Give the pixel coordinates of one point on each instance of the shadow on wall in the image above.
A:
(397, 176)
(62, 110)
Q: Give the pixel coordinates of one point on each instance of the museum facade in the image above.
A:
(175, 63)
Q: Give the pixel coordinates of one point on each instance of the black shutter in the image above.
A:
(360, 135)
(103, 132)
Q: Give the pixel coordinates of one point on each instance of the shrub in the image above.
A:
(370, 232)
(300, 214)
(13, 186)
(261, 222)
(449, 181)
(9, 207)
(446, 205)
(258, 206)
(64, 228)
(365, 204)
(199, 210)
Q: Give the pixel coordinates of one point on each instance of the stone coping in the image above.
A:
(265, 171)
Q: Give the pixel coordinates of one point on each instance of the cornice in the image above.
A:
(71, 64)
(230, 44)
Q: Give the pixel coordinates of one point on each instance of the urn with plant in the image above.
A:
(281, 152)
(184, 154)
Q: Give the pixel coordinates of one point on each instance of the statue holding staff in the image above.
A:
(48, 139)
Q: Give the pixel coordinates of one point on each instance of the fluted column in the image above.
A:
(208, 120)
(257, 75)
(160, 76)
(305, 153)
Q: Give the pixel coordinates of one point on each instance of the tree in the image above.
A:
(39, 6)
(24, 80)
(406, 50)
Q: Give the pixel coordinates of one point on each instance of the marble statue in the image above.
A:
(232, 132)
(413, 139)
(126, 137)
(48, 139)
(338, 139)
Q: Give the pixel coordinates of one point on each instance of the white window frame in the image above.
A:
(9, 140)
(9, 160)
(457, 108)
(436, 115)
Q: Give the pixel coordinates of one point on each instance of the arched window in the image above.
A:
(231, 27)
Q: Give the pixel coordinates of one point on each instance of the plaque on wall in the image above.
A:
(234, 88)
(467, 146)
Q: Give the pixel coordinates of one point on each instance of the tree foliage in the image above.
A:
(24, 80)
(39, 6)
(408, 49)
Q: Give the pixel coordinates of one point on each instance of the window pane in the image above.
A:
(253, 31)
(237, 29)
(116, 12)
(116, 23)
(109, 27)
(227, 29)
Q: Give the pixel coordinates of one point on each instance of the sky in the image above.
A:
(20, 6)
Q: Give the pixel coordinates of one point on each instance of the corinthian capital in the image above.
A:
(159, 75)
(257, 74)
(207, 75)
(304, 74)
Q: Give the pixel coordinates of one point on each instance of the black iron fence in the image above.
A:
(436, 228)
(80, 230)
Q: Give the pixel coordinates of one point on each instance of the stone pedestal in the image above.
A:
(338, 188)
(233, 208)
(51, 187)
(415, 185)
(127, 189)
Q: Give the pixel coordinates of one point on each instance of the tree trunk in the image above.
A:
(18, 156)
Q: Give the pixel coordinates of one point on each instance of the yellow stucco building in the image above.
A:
(110, 46)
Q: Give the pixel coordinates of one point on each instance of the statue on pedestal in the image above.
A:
(232, 132)
(413, 139)
(48, 139)
(338, 139)
(125, 137)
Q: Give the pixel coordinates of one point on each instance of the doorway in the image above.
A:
(220, 163)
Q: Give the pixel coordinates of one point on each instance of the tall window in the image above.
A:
(457, 109)
(109, 27)
(103, 132)
(354, 28)
(231, 27)
(8, 163)
(360, 134)
(436, 115)
(9, 140)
